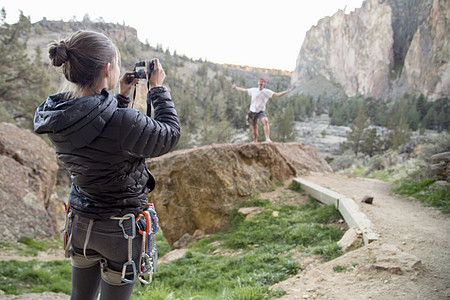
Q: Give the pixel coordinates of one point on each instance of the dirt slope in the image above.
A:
(410, 261)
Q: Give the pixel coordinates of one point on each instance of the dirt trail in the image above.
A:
(411, 260)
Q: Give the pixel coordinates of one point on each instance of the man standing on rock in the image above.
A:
(260, 96)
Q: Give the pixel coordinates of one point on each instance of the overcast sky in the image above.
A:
(259, 33)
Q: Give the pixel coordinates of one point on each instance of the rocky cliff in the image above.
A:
(197, 189)
(381, 49)
(427, 62)
(29, 207)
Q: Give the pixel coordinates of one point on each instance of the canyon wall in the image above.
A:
(382, 49)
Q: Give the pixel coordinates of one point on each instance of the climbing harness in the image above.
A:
(147, 224)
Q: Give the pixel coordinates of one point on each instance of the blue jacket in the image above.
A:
(103, 145)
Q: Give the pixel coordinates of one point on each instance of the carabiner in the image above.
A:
(124, 269)
(133, 227)
(142, 278)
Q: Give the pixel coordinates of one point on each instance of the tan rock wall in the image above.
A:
(198, 188)
(384, 49)
(28, 176)
(427, 63)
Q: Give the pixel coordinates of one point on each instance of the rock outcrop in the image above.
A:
(384, 48)
(28, 170)
(197, 189)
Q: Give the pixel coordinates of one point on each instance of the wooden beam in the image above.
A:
(346, 206)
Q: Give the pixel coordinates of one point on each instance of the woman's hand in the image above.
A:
(126, 83)
(158, 75)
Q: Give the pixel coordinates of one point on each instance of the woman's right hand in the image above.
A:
(158, 75)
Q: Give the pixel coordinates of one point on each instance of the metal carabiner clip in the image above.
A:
(124, 269)
(146, 269)
(133, 227)
(143, 280)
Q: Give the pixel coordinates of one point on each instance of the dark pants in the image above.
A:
(106, 253)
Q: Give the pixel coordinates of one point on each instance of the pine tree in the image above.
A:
(283, 125)
(430, 121)
(401, 134)
(23, 83)
(413, 118)
(370, 142)
(355, 136)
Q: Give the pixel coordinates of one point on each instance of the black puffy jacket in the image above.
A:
(103, 145)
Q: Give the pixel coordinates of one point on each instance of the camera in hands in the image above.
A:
(140, 71)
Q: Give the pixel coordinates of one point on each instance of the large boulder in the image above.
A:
(28, 176)
(198, 188)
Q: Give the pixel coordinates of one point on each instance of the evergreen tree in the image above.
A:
(381, 116)
(319, 107)
(23, 82)
(430, 121)
(283, 126)
(401, 134)
(444, 114)
(355, 136)
(413, 117)
(422, 106)
(370, 142)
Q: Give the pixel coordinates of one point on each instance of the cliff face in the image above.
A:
(382, 49)
(427, 62)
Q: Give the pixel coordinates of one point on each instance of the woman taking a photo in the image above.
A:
(103, 145)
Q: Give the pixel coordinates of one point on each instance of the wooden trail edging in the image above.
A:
(346, 206)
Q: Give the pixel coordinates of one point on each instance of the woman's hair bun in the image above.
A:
(58, 53)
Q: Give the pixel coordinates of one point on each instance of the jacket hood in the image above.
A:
(78, 121)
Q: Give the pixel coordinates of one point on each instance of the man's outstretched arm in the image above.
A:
(282, 93)
(242, 90)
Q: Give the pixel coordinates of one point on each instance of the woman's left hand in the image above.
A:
(126, 83)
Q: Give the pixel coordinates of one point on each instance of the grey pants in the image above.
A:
(98, 268)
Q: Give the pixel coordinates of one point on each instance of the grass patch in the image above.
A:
(357, 171)
(340, 269)
(263, 244)
(427, 192)
(295, 186)
(343, 269)
(162, 244)
(30, 247)
(253, 255)
(18, 277)
(383, 175)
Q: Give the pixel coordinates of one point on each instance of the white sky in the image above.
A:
(259, 33)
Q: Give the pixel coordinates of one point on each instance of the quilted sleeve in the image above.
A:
(144, 136)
